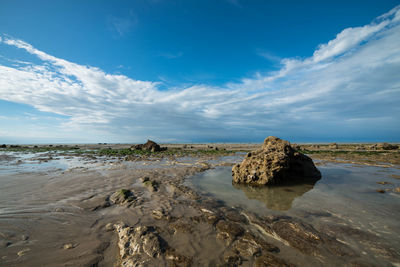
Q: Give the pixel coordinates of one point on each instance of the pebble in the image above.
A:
(68, 246)
(22, 252)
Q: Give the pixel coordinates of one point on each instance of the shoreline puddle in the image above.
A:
(345, 196)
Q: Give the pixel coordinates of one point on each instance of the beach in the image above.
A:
(76, 205)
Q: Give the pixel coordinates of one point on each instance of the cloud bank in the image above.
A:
(348, 89)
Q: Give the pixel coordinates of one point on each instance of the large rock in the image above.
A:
(277, 162)
(148, 146)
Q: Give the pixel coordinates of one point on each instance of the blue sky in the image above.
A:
(199, 71)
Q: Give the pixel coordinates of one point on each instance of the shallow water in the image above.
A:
(49, 200)
(346, 196)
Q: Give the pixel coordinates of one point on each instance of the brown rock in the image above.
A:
(140, 245)
(386, 146)
(229, 229)
(148, 146)
(307, 239)
(277, 162)
(232, 259)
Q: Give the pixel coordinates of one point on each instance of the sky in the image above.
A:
(199, 71)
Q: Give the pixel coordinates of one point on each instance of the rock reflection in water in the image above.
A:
(276, 197)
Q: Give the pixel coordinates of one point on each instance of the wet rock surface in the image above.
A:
(122, 196)
(140, 245)
(306, 238)
(276, 163)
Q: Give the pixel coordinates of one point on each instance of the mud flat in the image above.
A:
(106, 205)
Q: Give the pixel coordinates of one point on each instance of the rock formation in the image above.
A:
(386, 146)
(277, 162)
(148, 146)
(143, 246)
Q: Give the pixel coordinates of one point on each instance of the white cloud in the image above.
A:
(268, 55)
(122, 25)
(349, 86)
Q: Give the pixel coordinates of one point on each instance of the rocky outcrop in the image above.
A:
(138, 245)
(122, 196)
(386, 146)
(277, 162)
(383, 146)
(143, 246)
(148, 146)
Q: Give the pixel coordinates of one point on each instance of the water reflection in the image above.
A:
(218, 182)
(276, 197)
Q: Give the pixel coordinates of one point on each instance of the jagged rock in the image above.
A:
(143, 246)
(277, 162)
(139, 245)
(148, 146)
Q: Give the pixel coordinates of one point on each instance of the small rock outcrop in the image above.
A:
(140, 245)
(143, 246)
(122, 196)
(277, 162)
(386, 146)
(148, 146)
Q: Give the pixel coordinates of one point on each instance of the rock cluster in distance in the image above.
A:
(277, 162)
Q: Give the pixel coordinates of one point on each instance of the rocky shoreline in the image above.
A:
(149, 217)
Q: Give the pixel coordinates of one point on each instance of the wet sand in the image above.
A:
(57, 210)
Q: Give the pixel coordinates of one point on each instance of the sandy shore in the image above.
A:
(78, 215)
